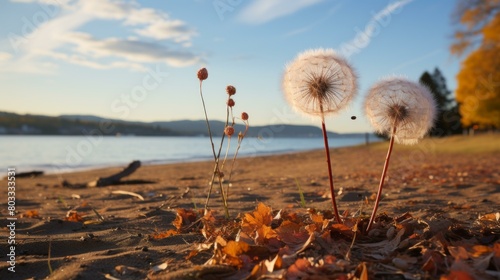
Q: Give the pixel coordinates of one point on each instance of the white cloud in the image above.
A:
(175, 30)
(5, 56)
(153, 24)
(130, 50)
(59, 37)
(262, 11)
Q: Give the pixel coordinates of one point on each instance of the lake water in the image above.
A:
(55, 154)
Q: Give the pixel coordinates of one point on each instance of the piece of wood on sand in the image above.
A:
(115, 178)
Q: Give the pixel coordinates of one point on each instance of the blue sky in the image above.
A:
(137, 60)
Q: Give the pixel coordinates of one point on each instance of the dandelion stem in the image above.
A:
(382, 179)
(330, 175)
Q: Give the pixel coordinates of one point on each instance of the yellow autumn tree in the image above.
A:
(478, 91)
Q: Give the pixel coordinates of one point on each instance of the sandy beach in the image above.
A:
(99, 233)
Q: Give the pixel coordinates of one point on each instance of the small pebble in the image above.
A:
(400, 263)
(390, 233)
(404, 244)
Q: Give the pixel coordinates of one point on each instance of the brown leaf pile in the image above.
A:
(266, 244)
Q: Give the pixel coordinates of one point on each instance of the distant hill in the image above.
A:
(11, 123)
(199, 127)
(15, 124)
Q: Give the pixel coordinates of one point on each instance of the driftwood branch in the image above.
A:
(115, 178)
(30, 174)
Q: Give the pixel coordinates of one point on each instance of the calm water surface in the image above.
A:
(54, 154)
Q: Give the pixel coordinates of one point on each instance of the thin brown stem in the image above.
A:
(240, 139)
(330, 175)
(229, 109)
(216, 161)
(382, 179)
(217, 171)
(224, 199)
(208, 123)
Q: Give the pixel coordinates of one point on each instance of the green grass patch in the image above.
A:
(301, 194)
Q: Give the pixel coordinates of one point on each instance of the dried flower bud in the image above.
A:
(221, 174)
(244, 116)
(229, 130)
(230, 90)
(230, 102)
(202, 74)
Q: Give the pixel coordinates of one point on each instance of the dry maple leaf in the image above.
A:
(341, 230)
(317, 218)
(184, 217)
(165, 234)
(299, 269)
(490, 217)
(479, 250)
(73, 216)
(264, 233)
(31, 214)
(268, 266)
(291, 233)
(258, 224)
(457, 275)
(235, 248)
(262, 216)
(458, 252)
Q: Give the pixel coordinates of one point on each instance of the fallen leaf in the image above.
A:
(274, 263)
(342, 230)
(235, 248)
(262, 216)
(479, 250)
(184, 217)
(384, 248)
(298, 270)
(31, 214)
(364, 272)
(292, 233)
(457, 275)
(164, 234)
(73, 216)
(490, 217)
(459, 253)
(263, 233)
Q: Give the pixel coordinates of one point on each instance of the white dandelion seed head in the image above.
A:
(319, 82)
(408, 105)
